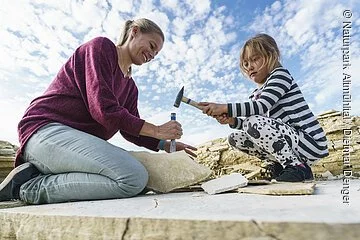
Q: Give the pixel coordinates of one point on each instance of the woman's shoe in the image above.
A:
(10, 187)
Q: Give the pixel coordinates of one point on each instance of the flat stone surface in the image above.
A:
(227, 206)
(280, 189)
(225, 183)
(194, 215)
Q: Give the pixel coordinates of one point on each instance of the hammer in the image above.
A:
(180, 98)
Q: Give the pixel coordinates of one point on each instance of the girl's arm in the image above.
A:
(276, 87)
(235, 123)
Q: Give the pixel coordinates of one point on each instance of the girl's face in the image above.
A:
(255, 68)
(143, 47)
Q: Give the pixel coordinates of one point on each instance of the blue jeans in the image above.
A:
(78, 166)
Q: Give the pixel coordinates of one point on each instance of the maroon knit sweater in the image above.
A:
(91, 94)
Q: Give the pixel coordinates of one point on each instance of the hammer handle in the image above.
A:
(191, 102)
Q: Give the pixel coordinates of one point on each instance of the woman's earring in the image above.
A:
(134, 32)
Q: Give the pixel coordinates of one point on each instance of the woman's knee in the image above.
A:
(135, 181)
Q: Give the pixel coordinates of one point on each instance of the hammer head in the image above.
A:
(179, 97)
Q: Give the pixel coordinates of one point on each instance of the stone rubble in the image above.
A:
(7, 155)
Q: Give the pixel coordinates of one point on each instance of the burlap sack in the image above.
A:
(169, 171)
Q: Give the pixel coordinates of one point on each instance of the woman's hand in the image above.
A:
(169, 130)
(181, 146)
(224, 119)
(213, 109)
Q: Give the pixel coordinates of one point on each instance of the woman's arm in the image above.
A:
(169, 130)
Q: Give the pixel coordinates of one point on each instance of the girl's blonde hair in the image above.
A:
(145, 26)
(264, 46)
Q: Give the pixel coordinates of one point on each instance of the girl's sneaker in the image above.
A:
(272, 170)
(298, 173)
(10, 187)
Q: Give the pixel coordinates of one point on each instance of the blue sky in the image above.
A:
(201, 52)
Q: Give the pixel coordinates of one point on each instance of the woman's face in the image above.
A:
(143, 47)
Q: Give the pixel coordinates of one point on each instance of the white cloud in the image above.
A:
(199, 7)
(310, 33)
(169, 4)
(10, 111)
(276, 6)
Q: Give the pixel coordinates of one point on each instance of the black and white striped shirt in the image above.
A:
(280, 98)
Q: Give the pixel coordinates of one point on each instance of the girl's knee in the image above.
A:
(231, 140)
(254, 119)
(251, 126)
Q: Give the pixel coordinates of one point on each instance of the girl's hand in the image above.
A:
(181, 146)
(213, 109)
(224, 119)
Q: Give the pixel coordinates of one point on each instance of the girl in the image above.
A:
(64, 154)
(276, 124)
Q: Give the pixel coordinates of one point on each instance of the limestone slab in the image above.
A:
(259, 182)
(169, 171)
(281, 189)
(219, 148)
(193, 216)
(224, 183)
(328, 114)
(6, 158)
(31, 227)
(7, 152)
(12, 204)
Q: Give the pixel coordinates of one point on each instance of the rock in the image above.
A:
(328, 114)
(328, 175)
(225, 183)
(281, 189)
(7, 152)
(334, 126)
(169, 171)
(218, 148)
(7, 156)
(12, 204)
(7, 145)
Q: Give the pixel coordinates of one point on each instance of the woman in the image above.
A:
(63, 154)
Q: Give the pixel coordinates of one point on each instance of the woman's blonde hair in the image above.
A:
(145, 26)
(264, 46)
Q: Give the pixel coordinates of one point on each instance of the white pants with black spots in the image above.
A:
(268, 139)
